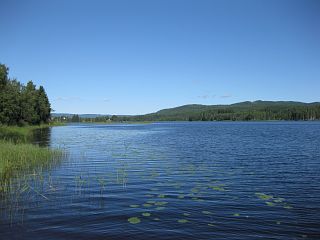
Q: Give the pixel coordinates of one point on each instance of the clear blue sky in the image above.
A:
(133, 57)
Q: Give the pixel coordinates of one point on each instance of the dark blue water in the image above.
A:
(204, 180)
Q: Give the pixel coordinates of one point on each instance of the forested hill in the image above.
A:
(20, 104)
(243, 111)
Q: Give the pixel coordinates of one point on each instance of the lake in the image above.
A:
(172, 180)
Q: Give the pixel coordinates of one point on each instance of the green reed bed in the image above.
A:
(7, 132)
(20, 134)
(15, 158)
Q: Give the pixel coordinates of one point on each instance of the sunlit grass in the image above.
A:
(17, 158)
(21, 134)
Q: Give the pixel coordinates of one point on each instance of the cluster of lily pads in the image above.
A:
(272, 201)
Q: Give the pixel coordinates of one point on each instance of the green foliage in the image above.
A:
(75, 118)
(20, 104)
(3, 76)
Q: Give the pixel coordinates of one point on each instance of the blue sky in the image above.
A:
(134, 57)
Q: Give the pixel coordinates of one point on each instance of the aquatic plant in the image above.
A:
(134, 205)
(160, 203)
(160, 208)
(270, 204)
(263, 196)
(183, 221)
(21, 134)
(286, 206)
(271, 200)
(218, 188)
(134, 220)
(20, 158)
(147, 205)
(206, 212)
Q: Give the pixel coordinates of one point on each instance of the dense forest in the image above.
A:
(244, 111)
(19, 104)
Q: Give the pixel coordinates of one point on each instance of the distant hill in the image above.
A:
(194, 108)
(242, 111)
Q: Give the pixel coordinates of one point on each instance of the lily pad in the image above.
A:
(194, 190)
(183, 221)
(270, 204)
(278, 200)
(206, 212)
(134, 220)
(146, 214)
(263, 196)
(147, 205)
(134, 205)
(160, 203)
(236, 215)
(218, 188)
(160, 208)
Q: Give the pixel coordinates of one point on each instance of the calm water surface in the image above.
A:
(204, 180)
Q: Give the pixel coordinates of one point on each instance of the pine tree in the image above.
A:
(43, 105)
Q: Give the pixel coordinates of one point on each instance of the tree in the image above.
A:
(21, 104)
(114, 118)
(3, 76)
(3, 83)
(29, 104)
(43, 107)
(75, 118)
(11, 104)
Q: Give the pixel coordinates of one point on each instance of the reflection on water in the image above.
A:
(172, 181)
(41, 137)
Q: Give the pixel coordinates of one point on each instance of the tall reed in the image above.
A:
(18, 157)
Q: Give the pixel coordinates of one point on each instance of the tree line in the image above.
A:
(246, 111)
(22, 104)
(288, 112)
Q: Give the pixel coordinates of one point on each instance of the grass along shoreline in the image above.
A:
(22, 134)
(20, 157)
